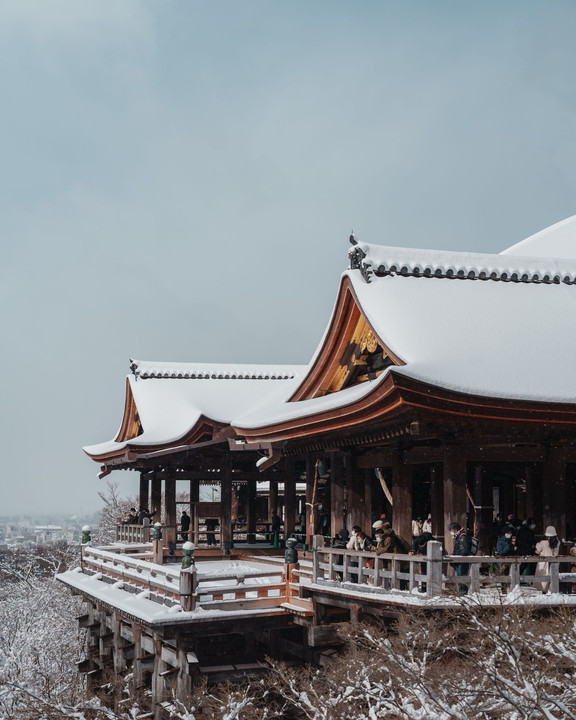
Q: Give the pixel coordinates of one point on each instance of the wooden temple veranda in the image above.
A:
(444, 384)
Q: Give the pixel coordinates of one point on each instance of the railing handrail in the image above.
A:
(164, 580)
(394, 571)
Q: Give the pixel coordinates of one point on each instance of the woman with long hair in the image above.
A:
(549, 547)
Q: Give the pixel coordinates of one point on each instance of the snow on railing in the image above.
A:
(171, 585)
(435, 575)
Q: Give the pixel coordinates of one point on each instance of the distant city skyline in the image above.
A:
(180, 181)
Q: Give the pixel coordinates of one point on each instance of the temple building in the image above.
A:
(443, 384)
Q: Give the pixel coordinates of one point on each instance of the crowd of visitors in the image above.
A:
(512, 537)
(137, 517)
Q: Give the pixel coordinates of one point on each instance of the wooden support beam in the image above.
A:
(226, 508)
(554, 491)
(170, 508)
(251, 512)
(156, 497)
(290, 508)
(454, 471)
(272, 499)
(483, 510)
(310, 514)
(423, 455)
(358, 493)
(144, 486)
(337, 483)
(402, 498)
(384, 458)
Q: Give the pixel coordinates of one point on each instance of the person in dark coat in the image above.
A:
(499, 524)
(420, 547)
(420, 544)
(526, 545)
(184, 525)
(462, 546)
(211, 524)
(505, 546)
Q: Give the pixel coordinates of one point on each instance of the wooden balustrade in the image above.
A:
(435, 574)
(133, 533)
(165, 582)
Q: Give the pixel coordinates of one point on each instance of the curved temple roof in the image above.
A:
(497, 326)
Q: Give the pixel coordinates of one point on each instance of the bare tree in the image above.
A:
(113, 509)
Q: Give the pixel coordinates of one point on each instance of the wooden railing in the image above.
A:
(435, 575)
(133, 533)
(167, 583)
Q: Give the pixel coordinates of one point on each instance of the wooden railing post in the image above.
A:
(158, 544)
(554, 577)
(434, 568)
(474, 577)
(376, 571)
(188, 585)
(315, 566)
(514, 575)
(394, 582)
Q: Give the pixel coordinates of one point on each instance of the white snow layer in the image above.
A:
(558, 241)
(495, 338)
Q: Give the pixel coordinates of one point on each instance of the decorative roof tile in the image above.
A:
(379, 261)
(194, 371)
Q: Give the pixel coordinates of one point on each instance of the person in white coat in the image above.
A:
(549, 547)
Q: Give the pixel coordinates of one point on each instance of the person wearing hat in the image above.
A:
(549, 547)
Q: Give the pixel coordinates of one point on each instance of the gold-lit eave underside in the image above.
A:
(363, 359)
(352, 352)
(131, 424)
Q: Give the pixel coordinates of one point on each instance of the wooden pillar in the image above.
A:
(156, 498)
(437, 502)
(483, 511)
(194, 491)
(290, 509)
(144, 484)
(137, 672)
(358, 504)
(533, 500)
(402, 498)
(454, 470)
(226, 507)
(170, 507)
(251, 512)
(368, 479)
(554, 491)
(184, 681)
(310, 516)
(272, 499)
(158, 684)
(337, 483)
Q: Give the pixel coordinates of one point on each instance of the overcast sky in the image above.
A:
(179, 180)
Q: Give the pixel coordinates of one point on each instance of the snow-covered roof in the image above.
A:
(170, 404)
(557, 241)
(492, 325)
(488, 325)
(496, 339)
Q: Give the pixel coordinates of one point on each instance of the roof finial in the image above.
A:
(352, 239)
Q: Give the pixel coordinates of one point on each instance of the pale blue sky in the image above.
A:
(179, 180)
